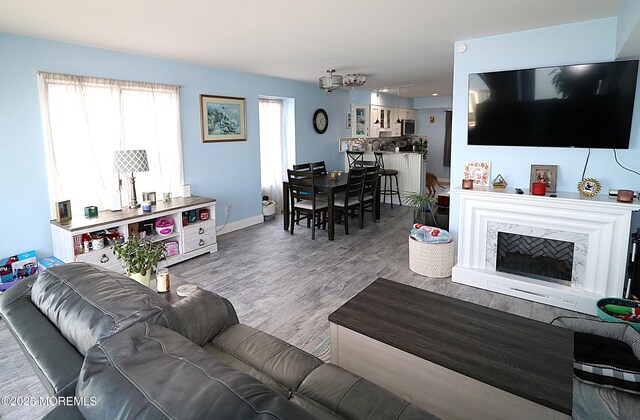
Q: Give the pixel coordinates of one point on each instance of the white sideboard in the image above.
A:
(193, 239)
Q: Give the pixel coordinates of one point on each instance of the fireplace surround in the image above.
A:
(598, 229)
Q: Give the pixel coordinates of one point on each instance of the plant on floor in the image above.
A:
(138, 256)
(423, 207)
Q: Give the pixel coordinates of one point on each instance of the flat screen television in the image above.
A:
(583, 105)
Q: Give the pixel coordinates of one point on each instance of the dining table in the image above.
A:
(326, 184)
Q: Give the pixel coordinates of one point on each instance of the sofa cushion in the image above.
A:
(87, 303)
(277, 359)
(150, 372)
(331, 389)
(56, 362)
(203, 314)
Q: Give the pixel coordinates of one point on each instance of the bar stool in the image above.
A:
(387, 174)
(355, 158)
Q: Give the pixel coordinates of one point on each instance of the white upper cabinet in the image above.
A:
(363, 118)
(360, 121)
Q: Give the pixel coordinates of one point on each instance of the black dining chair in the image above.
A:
(318, 168)
(355, 158)
(387, 174)
(350, 199)
(301, 166)
(368, 197)
(305, 201)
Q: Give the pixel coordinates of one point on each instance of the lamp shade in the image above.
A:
(130, 161)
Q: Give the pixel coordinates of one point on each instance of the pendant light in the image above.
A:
(398, 120)
(377, 100)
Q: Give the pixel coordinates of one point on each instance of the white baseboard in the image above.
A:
(240, 224)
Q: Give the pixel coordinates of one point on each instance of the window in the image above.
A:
(277, 145)
(86, 119)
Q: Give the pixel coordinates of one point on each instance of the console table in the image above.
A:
(193, 238)
(455, 359)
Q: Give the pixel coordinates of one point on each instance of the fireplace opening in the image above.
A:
(540, 258)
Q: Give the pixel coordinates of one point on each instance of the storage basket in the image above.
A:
(431, 260)
(164, 226)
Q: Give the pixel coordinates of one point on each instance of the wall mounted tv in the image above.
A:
(583, 105)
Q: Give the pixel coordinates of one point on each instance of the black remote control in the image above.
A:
(519, 191)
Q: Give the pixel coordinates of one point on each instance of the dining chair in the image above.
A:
(387, 174)
(319, 168)
(301, 167)
(305, 201)
(355, 158)
(350, 199)
(368, 197)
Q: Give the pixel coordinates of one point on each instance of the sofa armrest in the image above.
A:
(203, 314)
(55, 361)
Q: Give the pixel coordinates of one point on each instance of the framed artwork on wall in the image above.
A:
(222, 118)
(544, 173)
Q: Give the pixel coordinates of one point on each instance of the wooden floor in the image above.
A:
(288, 285)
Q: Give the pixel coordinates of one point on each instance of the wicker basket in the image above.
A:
(431, 260)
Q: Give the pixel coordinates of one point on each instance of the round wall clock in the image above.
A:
(320, 121)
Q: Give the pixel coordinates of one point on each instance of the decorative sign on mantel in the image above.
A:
(478, 172)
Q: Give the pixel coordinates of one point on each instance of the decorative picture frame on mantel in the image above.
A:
(222, 118)
(544, 173)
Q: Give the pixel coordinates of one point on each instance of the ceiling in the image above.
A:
(394, 43)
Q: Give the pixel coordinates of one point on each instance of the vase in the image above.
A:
(140, 278)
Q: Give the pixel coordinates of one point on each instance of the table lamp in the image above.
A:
(130, 161)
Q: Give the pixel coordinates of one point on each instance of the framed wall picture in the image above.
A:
(544, 173)
(63, 211)
(222, 118)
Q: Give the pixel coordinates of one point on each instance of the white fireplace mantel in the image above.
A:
(601, 224)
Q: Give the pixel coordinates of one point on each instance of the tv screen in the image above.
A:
(583, 105)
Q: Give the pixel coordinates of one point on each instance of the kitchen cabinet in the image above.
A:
(374, 129)
(360, 121)
(193, 237)
(363, 118)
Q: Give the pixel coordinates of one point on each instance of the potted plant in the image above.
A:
(139, 257)
(423, 207)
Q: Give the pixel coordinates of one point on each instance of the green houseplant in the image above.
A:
(423, 207)
(139, 257)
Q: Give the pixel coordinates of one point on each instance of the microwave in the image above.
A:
(408, 127)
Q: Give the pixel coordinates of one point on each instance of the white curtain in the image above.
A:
(273, 149)
(86, 119)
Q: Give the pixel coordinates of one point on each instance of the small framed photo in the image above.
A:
(544, 173)
(349, 120)
(63, 211)
(222, 118)
(149, 196)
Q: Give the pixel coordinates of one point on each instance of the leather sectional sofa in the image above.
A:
(123, 352)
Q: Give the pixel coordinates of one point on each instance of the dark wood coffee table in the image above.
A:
(454, 358)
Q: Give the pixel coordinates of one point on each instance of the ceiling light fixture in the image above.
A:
(434, 94)
(330, 82)
(398, 121)
(352, 80)
(377, 101)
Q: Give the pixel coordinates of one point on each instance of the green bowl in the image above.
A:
(602, 314)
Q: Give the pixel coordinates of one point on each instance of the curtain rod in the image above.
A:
(38, 72)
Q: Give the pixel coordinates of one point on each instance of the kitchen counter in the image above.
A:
(409, 166)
